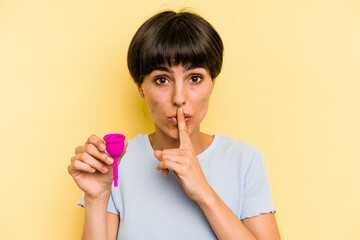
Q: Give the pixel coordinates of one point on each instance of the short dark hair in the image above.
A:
(174, 38)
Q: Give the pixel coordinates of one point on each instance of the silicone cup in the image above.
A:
(115, 146)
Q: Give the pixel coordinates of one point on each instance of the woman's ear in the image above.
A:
(213, 84)
(141, 92)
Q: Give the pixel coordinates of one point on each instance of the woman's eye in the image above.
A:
(195, 79)
(161, 80)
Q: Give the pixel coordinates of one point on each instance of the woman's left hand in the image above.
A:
(184, 163)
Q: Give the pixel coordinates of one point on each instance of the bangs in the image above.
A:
(171, 39)
(179, 44)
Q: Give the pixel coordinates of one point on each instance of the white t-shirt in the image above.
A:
(154, 206)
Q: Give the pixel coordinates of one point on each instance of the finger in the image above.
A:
(178, 152)
(94, 152)
(165, 172)
(92, 162)
(170, 155)
(157, 154)
(77, 166)
(181, 156)
(185, 140)
(168, 164)
(98, 142)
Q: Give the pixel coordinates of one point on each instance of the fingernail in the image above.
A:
(110, 160)
(104, 169)
(103, 146)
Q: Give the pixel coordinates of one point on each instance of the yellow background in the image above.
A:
(290, 86)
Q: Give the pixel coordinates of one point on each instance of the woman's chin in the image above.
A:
(172, 133)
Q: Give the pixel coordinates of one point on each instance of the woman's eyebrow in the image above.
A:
(190, 67)
(161, 68)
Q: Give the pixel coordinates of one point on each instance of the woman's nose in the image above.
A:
(179, 95)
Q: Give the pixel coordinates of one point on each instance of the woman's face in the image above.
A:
(167, 88)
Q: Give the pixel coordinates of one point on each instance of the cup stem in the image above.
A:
(115, 172)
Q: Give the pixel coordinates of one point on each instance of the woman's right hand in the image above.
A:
(92, 167)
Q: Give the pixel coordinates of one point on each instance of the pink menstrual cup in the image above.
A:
(115, 146)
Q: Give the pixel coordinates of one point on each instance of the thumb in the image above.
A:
(157, 154)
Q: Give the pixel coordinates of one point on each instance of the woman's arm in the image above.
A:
(95, 226)
(100, 224)
(263, 226)
(183, 161)
(92, 170)
(113, 222)
(227, 226)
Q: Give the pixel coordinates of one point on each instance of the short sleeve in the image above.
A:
(81, 201)
(257, 190)
(110, 208)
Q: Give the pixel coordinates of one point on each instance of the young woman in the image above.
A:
(211, 186)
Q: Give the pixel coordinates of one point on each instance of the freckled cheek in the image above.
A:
(152, 106)
(155, 109)
(202, 107)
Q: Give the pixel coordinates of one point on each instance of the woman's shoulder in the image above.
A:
(140, 138)
(240, 152)
(139, 143)
(230, 144)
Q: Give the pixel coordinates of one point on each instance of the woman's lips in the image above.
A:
(173, 118)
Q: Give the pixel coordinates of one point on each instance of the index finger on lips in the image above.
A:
(185, 141)
(98, 142)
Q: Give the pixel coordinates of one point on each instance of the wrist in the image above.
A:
(207, 198)
(103, 197)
